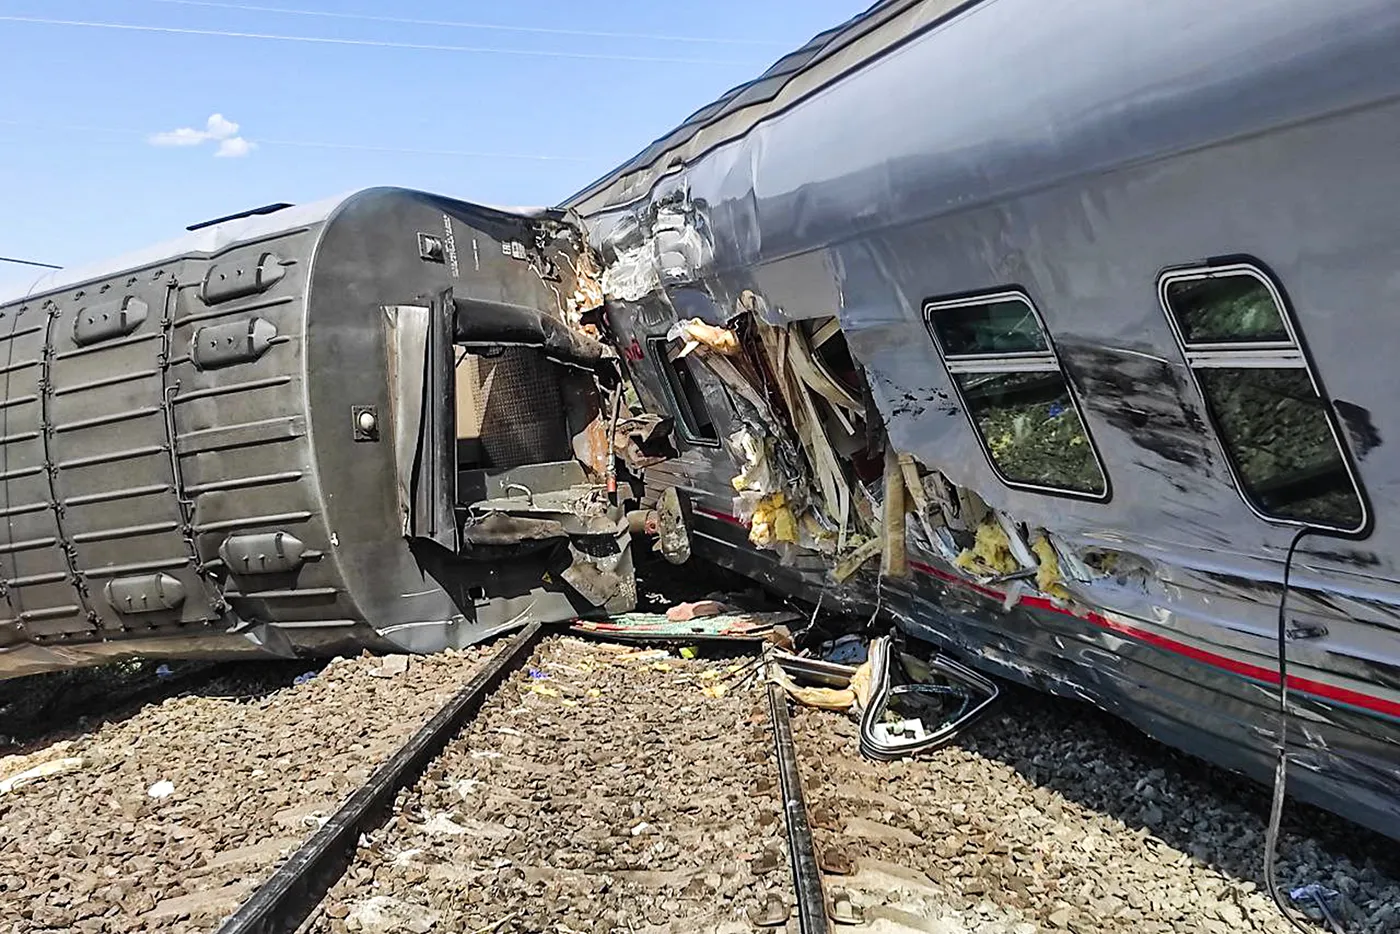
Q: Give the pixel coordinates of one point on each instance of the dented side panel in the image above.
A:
(1078, 183)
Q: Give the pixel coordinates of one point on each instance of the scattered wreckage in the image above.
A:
(1023, 330)
(1060, 372)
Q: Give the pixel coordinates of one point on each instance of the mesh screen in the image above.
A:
(520, 407)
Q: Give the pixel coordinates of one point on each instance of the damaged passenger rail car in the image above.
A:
(1063, 341)
(370, 422)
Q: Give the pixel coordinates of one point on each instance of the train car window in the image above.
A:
(1245, 355)
(684, 395)
(1015, 394)
(995, 327)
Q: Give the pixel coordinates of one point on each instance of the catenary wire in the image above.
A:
(307, 144)
(458, 24)
(367, 43)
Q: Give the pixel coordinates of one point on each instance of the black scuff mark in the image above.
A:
(1364, 436)
(1144, 397)
(913, 401)
(1360, 559)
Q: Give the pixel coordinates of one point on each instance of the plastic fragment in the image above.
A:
(161, 789)
(41, 771)
(853, 560)
(839, 699)
(720, 340)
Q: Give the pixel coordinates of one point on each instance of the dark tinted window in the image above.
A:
(1015, 394)
(1276, 429)
(992, 327)
(1225, 309)
(686, 397)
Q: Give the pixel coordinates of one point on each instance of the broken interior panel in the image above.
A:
(950, 345)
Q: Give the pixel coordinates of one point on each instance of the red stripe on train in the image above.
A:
(1204, 656)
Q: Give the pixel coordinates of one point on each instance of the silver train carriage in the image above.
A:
(362, 423)
(1075, 322)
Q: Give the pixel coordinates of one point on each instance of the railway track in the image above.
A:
(598, 787)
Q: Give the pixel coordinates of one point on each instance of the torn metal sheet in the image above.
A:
(811, 195)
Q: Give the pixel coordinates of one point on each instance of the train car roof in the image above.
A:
(212, 237)
(205, 239)
(825, 58)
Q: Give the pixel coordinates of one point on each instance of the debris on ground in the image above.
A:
(391, 666)
(30, 774)
(656, 627)
(698, 609)
(917, 705)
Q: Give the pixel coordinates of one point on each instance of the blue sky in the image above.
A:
(85, 172)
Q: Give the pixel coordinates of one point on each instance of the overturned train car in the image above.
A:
(1065, 341)
(368, 422)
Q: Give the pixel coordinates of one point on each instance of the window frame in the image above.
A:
(658, 346)
(1037, 361)
(1287, 354)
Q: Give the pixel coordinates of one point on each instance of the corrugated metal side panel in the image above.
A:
(243, 451)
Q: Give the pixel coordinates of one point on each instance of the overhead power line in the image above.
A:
(27, 262)
(308, 144)
(458, 24)
(369, 43)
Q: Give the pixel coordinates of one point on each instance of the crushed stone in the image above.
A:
(179, 808)
(602, 788)
(1047, 816)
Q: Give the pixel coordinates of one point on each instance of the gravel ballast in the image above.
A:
(1048, 816)
(603, 788)
(164, 820)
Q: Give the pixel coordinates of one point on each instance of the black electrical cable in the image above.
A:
(1281, 768)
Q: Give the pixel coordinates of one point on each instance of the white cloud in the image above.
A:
(235, 147)
(217, 128)
(181, 137)
(221, 128)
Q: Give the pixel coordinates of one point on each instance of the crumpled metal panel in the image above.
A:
(1074, 157)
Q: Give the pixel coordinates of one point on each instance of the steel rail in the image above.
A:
(285, 900)
(806, 876)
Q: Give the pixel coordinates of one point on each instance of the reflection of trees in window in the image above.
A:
(1031, 429)
(1015, 393)
(1226, 310)
(1272, 422)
